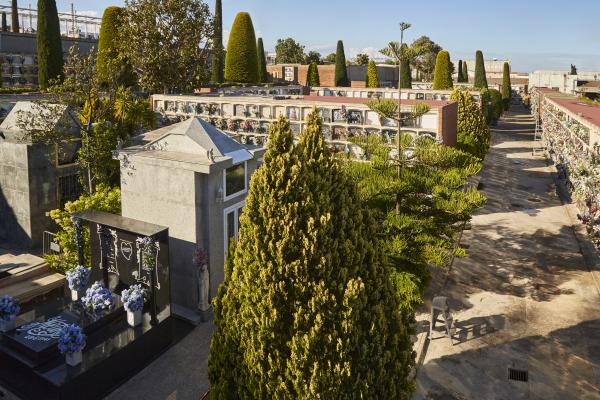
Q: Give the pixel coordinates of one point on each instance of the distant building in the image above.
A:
(562, 81)
(34, 178)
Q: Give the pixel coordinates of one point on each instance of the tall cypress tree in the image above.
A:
(307, 309)
(506, 87)
(4, 22)
(442, 78)
(217, 60)
(312, 75)
(480, 80)
(405, 73)
(263, 76)
(465, 72)
(341, 72)
(372, 75)
(14, 16)
(459, 77)
(473, 130)
(49, 45)
(241, 61)
(111, 66)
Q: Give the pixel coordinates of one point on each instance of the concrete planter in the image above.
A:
(74, 358)
(6, 326)
(76, 295)
(134, 318)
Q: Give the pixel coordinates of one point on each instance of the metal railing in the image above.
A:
(50, 245)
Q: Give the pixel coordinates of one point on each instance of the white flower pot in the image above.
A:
(134, 318)
(76, 295)
(6, 326)
(74, 358)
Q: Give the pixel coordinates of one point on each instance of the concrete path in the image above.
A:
(526, 296)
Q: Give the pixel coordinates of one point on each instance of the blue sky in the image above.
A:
(533, 34)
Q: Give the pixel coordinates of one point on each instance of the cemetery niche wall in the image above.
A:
(124, 252)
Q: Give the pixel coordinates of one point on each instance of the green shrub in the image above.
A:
(473, 130)
(442, 78)
(480, 80)
(49, 44)
(110, 65)
(341, 72)
(263, 76)
(241, 61)
(312, 75)
(372, 75)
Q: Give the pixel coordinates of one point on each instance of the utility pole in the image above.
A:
(403, 26)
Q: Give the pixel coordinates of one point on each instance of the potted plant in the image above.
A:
(133, 301)
(98, 299)
(71, 342)
(78, 278)
(9, 308)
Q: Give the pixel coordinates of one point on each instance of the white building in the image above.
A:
(562, 81)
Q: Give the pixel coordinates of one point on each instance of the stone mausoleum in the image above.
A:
(192, 178)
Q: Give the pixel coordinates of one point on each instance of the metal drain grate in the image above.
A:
(520, 375)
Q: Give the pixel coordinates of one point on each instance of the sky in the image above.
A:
(532, 34)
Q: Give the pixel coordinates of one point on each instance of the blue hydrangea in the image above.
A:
(134, 298)
(78, 277)
(98, 299)
(71, 339)
(9, 308)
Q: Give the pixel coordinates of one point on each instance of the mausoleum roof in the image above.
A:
(29, 115)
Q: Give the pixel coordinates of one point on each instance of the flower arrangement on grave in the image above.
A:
(134, 298)
(71, 339)
(149, 252)
(78, 277)
(133, 301)
(98, 299)
(71, 342)
(9, 308)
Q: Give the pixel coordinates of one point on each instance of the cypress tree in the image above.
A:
(480, 80)
(442, 79)
(4, 23)
(241, 61)
(341, 72)
(307, 309)
(405, 74)
(312, 75)
(459, 78)
(465, 72)
(217, 61)
(372, 75)
(263, 76)
(506, 87)
(49, 45)
(473, 130)
(14, 16)
(110, 65)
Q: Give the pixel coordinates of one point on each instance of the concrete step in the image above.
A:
(20, 268)
(39, 285)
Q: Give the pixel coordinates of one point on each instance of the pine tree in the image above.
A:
(111, 65)
(480, 80)
(506, 87)
(312, 75)
(341, 72)
(217, 70)
(263, 76)
(473, 131)
(442, 78)
(4, 22)
(372, 75)
(465, 72)
(49, 44)
(459, 78)
(14, 16)
(423, 186)
(307, 309)
(241, 61)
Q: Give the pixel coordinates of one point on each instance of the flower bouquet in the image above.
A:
(70, 343)
(133, 301)
(78, 278)
(9, 308)
(98, 299)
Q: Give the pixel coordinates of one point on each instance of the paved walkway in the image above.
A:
(525, 297)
